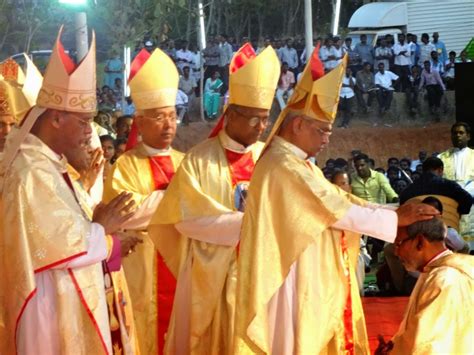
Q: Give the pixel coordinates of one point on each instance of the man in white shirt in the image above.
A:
(225, 56)
(285, 85)
(346, 97)
(335, 54)
(325, 52)
(425, 48)
(184, 57)
(288, 54)
(384, 81)
(402, 62)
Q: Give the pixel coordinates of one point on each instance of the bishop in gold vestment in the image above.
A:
(196, 227)
(296, 287)
(145, 171)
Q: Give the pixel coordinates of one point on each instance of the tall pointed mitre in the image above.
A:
(153, 80)
(316, 95)
(18, 92)
(253, 84)
(67, 86)
(252, 80)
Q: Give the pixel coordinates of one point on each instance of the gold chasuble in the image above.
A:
(150, 283)
(49, 301)
(207, 184)
(119, 305)
(196, 227)
(296, 291)
(440, 315)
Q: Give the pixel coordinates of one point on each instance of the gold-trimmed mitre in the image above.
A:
(67, 86)
(12, 100)
(153, 80)
(254, 84)
(318, 97)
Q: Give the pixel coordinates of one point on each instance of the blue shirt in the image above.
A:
(441, 49)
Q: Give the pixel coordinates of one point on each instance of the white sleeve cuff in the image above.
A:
(96, 249)
(144, 213)
(379, 223)
(221, 230)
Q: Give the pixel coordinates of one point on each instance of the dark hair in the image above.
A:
(392, 158)
(392, 168)
(186, 67)
(340, 163)
(425, 35)
(121, 119)
(406, 160)
(120, 141)
(372, 161)
(337, 172)
(452, 53)
(107, 137)
(361, 156)
(431, 200)
(432, 163)
(461, 124)
(380, 170)
(284, 63)
(348, 39)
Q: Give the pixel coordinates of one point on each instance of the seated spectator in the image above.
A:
(413, 89)
(118, 88)
(340, 164)
(346, 97)
(453, 240)
(365, 85)
(328, 173)
(384, 82)
(182, 108)
(104, 120)
(392, 161)
(436, 64)
(449, 70)
(123, 126)
(286, 83)
(422, 154)
(120, 146)
(330, 163)
(212, 95)
(415, 176)
(187, 83)
(108, 147)
(431, 81)
(129, 107)
(370, 185)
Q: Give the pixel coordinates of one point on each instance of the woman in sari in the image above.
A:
(212, 95)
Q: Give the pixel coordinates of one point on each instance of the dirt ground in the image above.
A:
(404, 139)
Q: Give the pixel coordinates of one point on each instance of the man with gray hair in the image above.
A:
(439, 318)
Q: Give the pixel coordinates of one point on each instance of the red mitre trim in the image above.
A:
(317, 68)
(244, 55)
(68, 64)
(138, 62)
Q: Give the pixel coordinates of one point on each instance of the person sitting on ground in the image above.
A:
(440, 314)
(431, 81)
(384, 82)
(399, 185)
(212, 95)
(365, 85)
(286, 83)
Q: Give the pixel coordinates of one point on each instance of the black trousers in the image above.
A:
(345, 105)
(434, 93)
(412, 97)
(403, 71)
(361, 101)
(384, 97)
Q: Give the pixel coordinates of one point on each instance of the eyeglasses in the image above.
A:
(84, 123)
(161, 118)
(401, 242)
(253, 121)
(324, 133)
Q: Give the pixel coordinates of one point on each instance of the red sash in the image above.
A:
(162, 170)
(241, 166)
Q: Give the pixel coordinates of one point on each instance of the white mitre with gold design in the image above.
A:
(67, 86)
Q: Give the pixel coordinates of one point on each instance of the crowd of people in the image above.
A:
(237, 246)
